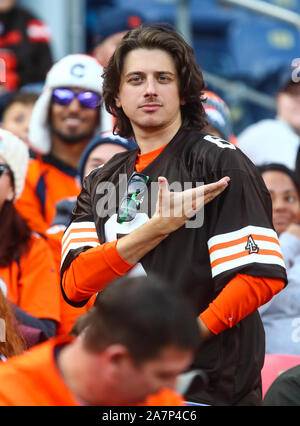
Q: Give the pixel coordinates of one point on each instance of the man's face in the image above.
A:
(131, 384)
(153, 375)
(149, 90)
(288, 106)
(72, 123)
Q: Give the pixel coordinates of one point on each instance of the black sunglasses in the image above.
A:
(4, 168)
(130, 205)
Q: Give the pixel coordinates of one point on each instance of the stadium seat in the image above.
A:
(260, 45)
(153, 10)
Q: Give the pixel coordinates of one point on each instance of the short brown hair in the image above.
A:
(143, 314)
(26, 98)
(191, 83)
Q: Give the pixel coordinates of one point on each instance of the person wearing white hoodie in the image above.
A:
(277, 140)
(65, 117)
(281, 315)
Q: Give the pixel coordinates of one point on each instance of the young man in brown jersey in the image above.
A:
(226, 257)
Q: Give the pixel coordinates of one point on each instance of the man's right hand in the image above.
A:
(176, 208)
(173, 209)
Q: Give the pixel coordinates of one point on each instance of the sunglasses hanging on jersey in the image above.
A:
(130, 205)
(87, 99)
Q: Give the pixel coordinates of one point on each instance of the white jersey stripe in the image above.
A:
(78, 225)
(253, 258)
(232, 249)
(243, 232)
(81, 235)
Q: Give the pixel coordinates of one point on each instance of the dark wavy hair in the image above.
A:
(14, 343)
(278, 167)
(191, 83)
(14, 234)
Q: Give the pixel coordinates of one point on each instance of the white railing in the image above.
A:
(268, 9)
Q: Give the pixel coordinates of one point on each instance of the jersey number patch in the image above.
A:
(221, 143)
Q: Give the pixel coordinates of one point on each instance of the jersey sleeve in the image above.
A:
(241, 235)
(240, 297)
(86, 265)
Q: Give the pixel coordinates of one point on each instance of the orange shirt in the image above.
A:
(32, 282)
(33, 379)
(68, 313)
(164, 398)
(143, 160)
(47, 183)
(239, 298)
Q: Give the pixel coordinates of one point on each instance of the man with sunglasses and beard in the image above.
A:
(225, 258)
(65, 117)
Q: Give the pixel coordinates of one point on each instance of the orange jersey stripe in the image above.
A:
(70, 231)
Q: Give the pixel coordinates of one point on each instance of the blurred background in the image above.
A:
(241, 45)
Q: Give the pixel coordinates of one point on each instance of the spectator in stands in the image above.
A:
(17, 113)
(24, 46)
(27, 269)
(218, 116)
(137, 339)
(111, 27)
(277, 140)
(98, 152)
(65, 117)
(11, 341)
(281, 315)
(101, 149)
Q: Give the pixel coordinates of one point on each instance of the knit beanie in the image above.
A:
(15, 152)
(217, 114)
(75, 70)
(115, 20)
(101, 138)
